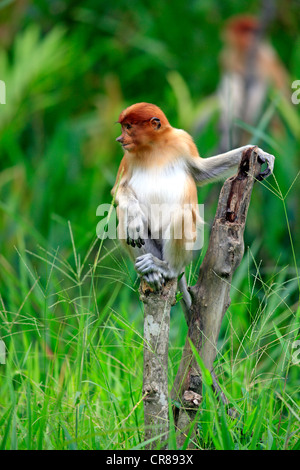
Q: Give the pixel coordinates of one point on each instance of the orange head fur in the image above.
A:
(142, 112)
(142, 126)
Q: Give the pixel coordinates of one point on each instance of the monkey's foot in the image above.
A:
(154, 280)
(151, 269)
(155, 271)
(148, 263)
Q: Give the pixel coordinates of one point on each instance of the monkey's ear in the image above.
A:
(155, 123)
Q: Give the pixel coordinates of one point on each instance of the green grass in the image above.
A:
(73, 377)
(63, 393)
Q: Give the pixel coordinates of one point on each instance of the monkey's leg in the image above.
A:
(149, 248)
(178, 241)
(178, 247)
(186, 301)
(134, 235)
(150, 262)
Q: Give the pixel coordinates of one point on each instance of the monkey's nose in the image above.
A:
(119, 139)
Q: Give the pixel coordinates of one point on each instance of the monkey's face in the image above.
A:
(139, 136)
(128, 139)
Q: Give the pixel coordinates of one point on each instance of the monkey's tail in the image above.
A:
(186, 301)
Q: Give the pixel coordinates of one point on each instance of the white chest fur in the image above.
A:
(159, 185)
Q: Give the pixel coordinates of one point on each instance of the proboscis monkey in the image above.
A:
(250, 66)
(160, 169)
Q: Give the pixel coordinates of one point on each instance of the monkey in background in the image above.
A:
(161, 166)
(249, 66)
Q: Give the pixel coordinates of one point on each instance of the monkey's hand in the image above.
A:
(267, 158)
(136, 223)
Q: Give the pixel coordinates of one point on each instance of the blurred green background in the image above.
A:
(70, 314)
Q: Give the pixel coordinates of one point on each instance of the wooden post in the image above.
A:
(157, 308)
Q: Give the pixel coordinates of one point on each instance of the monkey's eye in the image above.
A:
(128, 126)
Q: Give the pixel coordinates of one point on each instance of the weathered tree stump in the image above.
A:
(157, 308)
(210, 295)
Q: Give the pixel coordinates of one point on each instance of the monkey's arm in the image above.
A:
(207, 170)
(130, 215)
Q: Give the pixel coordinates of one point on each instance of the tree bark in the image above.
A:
(157, 308)
(210, 295)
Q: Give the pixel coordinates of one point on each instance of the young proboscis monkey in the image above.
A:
(156, 191)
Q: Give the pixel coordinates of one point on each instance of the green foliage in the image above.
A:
(70, 314)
